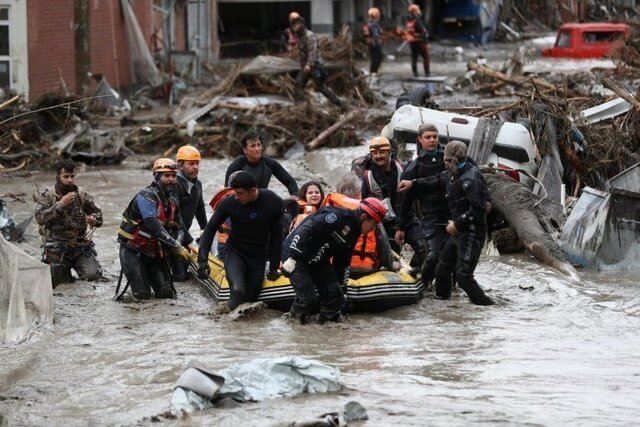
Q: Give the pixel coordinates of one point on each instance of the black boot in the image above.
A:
(467, 283)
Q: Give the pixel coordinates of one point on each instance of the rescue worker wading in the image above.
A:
(468, 198)
(381, 180)
(311, 64)
(434, 206)
(373, 36)
(190, 202)
(151, 225)
(63, 213)
(318, 254)
(256, 222)
(417, 35)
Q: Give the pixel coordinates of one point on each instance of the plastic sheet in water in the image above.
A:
(256, 380)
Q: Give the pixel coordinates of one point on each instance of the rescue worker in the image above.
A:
(151, 225)
(311, 64)
(318, 253)
(381, 181)
(417, 35)
(468, 198)
(373, 36)
(255, 236)
(190, 201)
(289, 38)
(433, 204)
(262, 168)
(64, 212)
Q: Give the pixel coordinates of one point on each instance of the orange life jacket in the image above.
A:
(365, 254)
(305, 210)
(223, 231)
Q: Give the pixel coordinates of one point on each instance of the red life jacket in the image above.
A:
(141, 241)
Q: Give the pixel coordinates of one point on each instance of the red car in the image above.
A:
(593, 40)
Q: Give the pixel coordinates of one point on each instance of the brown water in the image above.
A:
(558, 352)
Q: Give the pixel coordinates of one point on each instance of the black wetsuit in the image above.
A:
(322, 246)
(191, 204)
(384, 185)
(435, 210)
(467, 195)
(262, 171)
(254, 226)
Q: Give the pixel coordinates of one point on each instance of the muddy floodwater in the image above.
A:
(552, 351)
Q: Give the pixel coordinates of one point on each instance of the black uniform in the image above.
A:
(322, 246)
(467, 195)
(382, 184)
(191, 204)
(254, 226)
(434, 207)
(262, 172)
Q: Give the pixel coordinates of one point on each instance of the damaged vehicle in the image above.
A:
(589, 40)
(509, 146)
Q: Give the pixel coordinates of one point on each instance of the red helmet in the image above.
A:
(374, 208)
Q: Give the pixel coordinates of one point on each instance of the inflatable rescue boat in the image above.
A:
(378, 291)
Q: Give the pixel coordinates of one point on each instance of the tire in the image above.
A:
(419, 95)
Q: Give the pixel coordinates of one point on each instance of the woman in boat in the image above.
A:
(310, 199)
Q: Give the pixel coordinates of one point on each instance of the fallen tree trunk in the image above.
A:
(621, 93)
(322, 138)
(518, 81)
(518, 205)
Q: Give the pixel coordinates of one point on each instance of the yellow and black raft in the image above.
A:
(375, 292)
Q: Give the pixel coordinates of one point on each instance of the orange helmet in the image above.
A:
(374, 13)
(293, 15)
(379, 143)
(187, 152)
(374, 208)
(164, 165)
(414, 9)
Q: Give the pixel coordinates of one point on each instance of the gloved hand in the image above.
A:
(203, 270)
(273, 274)
(289, 265)
(182, 251)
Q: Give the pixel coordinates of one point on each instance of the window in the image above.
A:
(5, 60)
(564, 39)
(602, 36)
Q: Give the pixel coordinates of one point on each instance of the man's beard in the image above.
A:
(169, 188)
(64, 188)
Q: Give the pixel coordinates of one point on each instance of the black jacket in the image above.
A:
(191, 202)
(330, 233)
(262, 171)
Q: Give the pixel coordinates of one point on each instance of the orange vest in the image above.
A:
(305, 210)
(365, 254)
(223, 231)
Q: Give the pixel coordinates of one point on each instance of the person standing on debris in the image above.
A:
(381, 181)
(311, 64)
(255, 236)
(151, 225)
(63, 212)
(289, 37)
(468, 198)
(434, 207)
(417, 35)
(318, 253)
(373, 36)
(190, 201)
